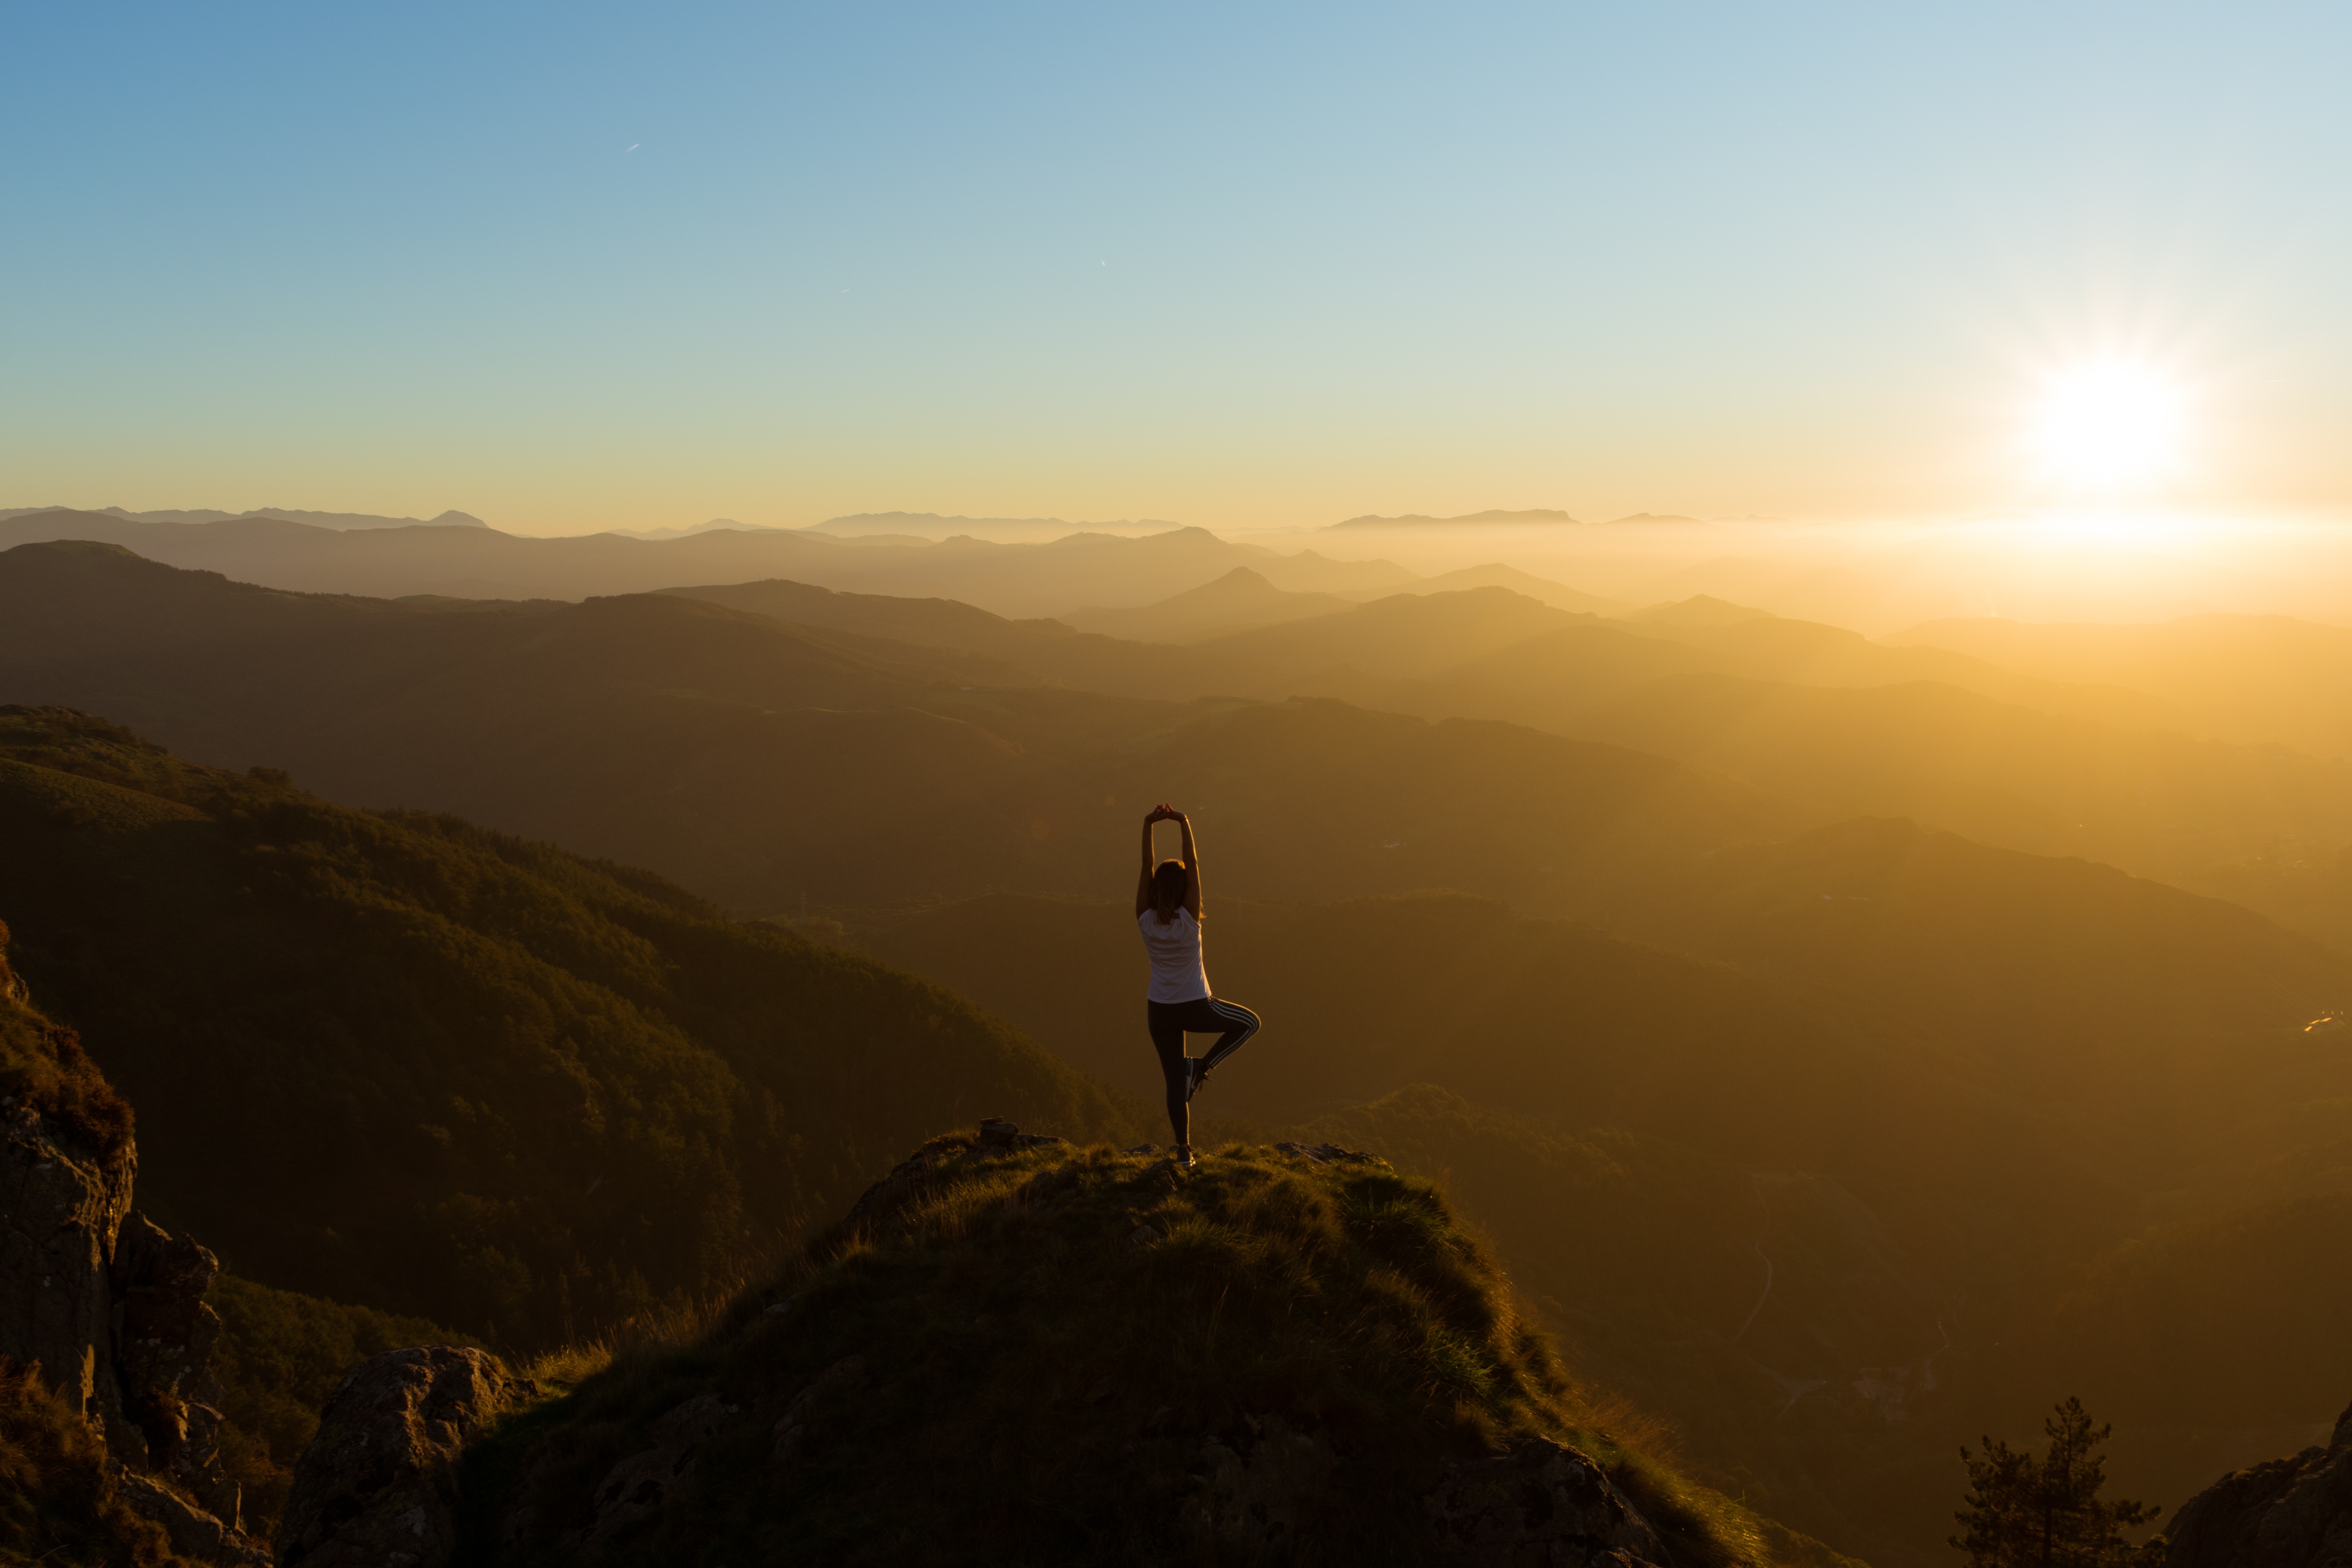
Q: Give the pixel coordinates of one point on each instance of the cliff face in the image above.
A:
(109, 1305)
(62, 1205)
(2286, 1513)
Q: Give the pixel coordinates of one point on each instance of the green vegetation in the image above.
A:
(44, 1067)
(483, 1081)
(58, 1502)
(1048, 1342)
(2019, 1514)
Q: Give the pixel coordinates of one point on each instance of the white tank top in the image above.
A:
(1177, 975)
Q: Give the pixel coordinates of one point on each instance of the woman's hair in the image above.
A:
(1170, 880)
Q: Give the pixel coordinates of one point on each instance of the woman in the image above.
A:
(1168, 908)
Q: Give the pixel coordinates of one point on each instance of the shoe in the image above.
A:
(1196, 1073)
(1184, 1157)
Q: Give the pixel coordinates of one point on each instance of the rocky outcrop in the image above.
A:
(162, 1334)
(2285, 1513)
(112, 1308)
(61, 1206)
(378, 1485)
(192, 1532)
(1541, 1505)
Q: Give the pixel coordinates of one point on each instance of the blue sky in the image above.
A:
(609, 266)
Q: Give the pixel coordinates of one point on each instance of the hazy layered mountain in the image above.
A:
(334, 520)
(398, 1059)
(760, 763)
(786, 714)
(931, 525)
(1494, 574)
(1238, 601)
(986, 649)
(1024, 579)
(1539, 515)
(1402, 636)
(2235, 678)
(2154, 802)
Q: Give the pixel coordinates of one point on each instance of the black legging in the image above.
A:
(1204, 1015)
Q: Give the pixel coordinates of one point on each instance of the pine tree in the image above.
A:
(2021, 1514)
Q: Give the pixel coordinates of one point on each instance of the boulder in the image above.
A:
(378, 1485)
(192, 1532)
(2284, 1513)
(61, 1206)
(1541, 1505)
(162, 1334)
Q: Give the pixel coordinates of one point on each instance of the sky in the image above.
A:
(588, 266)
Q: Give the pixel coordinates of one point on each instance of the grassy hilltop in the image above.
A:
(1077, 1355)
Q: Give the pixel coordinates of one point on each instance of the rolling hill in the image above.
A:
(1241, 600)
(2155, 802)
(478, 1080)
(2234, 677)
(758, 762)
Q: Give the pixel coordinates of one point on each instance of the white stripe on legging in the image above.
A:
(1240, 1018)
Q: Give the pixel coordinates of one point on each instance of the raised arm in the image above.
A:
(1143, 877)
(1191, 866)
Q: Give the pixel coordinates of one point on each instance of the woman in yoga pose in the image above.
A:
(1168, 908)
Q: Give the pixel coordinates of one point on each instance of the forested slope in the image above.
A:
(479, 1079)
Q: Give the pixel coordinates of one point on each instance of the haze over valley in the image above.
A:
(1896, 1025)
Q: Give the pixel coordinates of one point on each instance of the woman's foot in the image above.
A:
(1196, 1072)
(1183, 1156)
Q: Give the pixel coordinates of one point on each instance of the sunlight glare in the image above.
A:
(2110, 425)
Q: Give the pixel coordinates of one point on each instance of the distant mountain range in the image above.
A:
(1415, 520)
(339, 520)
(1537, 515)
(1011, 579)
(934, 525)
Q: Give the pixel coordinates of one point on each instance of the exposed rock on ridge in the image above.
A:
(61, 1206)
(378, 1485)
(2284, 1513)
(110, 1307)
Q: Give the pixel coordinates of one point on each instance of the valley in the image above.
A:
(1845, 1046)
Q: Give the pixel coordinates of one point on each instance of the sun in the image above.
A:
(2110, 425)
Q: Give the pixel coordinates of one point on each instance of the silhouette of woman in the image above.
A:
(1168, 908)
